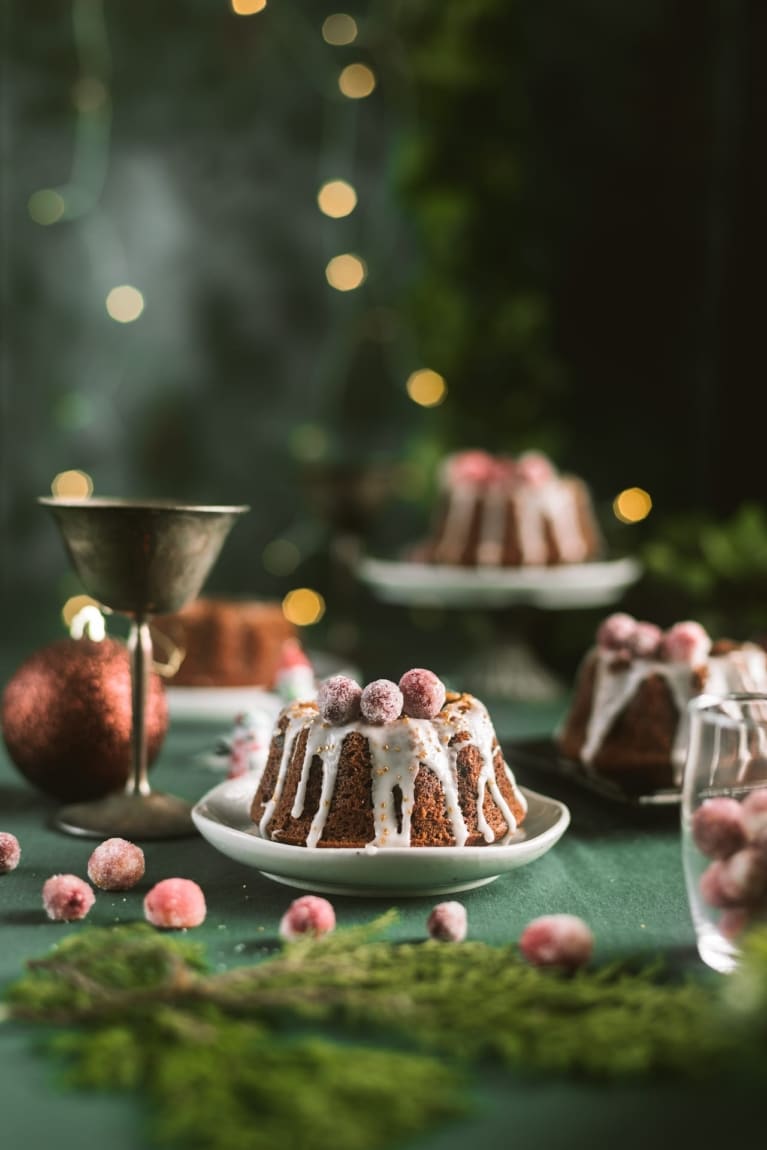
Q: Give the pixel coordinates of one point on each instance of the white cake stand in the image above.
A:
(509, 669)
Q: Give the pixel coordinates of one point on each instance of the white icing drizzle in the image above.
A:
(743, 669)
(552, 505)
(398, 751)
(492, 528)
(461, 501)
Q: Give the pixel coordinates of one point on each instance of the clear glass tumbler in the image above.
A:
(724, 822)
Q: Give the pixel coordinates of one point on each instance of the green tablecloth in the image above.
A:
(618, 868)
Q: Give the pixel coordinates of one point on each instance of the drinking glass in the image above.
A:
(724, 822)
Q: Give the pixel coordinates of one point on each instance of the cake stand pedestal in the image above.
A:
(506, 667)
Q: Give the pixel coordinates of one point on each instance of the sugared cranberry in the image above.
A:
(755, 816)
(471, 467)
(710, 886)
(447, 922)
(10, 852)
(733, 922)
(381, 702)
(67, 898)
(744, 877)
(645, 641)
(307, 915)
(116, 864)
(535, 468)
(686, 642)
(175, 904)
(718, 827)
(616, 632)
(557, 940)
(423, 694)
(338, 699)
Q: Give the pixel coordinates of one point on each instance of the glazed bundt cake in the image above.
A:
(495, 511)
(226, 642)
(628, 716)
(393, 765)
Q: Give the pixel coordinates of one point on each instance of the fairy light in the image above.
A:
(337, 199)
(357, 81)
(124, 303)
(427, 388)
(632, 505)
(339, 29)
(248, 7)
(46, 206)
(346, 272)
(303, 606)
(72, 485)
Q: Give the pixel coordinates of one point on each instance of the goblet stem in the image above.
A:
(140, 646)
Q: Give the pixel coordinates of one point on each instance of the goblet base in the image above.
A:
(128, 816)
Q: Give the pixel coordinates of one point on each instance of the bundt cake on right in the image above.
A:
(628, 717)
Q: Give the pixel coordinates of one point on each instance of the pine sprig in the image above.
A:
(261, 1055)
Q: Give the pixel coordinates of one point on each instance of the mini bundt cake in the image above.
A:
(495, 511)
(628, 717)
(389, 766)
(226, 642)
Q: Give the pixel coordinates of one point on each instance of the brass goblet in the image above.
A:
(138, 558)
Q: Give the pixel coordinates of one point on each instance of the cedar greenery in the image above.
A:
(351, 1040)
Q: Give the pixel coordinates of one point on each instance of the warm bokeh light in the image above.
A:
(248, 7)
(46, 206)
(72, 485)
(357, 81)
(339, 29)
(89, 94)
(125, 303)
(336, 198)
(346, 272)
(303, 607)
(632, 505)
(427, 388)
(75, 605)
(281, 557)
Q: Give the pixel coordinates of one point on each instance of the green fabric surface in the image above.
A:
(619, 868)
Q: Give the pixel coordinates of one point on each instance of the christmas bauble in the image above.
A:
(66, 718)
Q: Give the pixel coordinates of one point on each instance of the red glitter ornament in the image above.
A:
(66, 718)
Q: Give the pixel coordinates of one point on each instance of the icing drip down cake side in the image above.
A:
(628, 718)
(403, 781)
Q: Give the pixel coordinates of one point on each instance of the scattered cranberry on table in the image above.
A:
(448, 922)
(116, 864)
(10, 852)
(307, 915)
(562, 940)
(67, 898)
(175, 904)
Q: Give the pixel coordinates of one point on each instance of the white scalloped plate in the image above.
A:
(222, 817)
(569, 585)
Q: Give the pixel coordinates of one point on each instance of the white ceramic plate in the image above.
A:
(204, 704)
(222, 817)
(571, 585)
